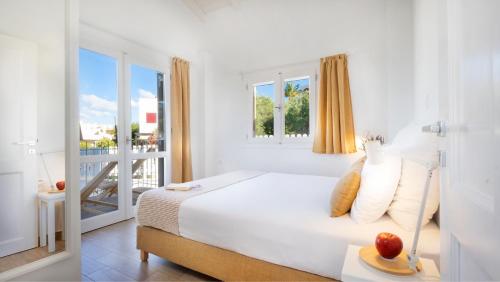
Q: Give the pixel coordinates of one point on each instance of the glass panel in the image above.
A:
(296, 95)
(98, 188)
(264, 100)
(147, 174)
(98, 104)
(147, 110)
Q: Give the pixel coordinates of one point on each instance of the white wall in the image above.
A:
(377, 35)
(399, 48)
(168, 28)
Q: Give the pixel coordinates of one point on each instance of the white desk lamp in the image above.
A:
(440, 130)
(412, 255)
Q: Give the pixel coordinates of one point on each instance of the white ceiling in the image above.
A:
(257, 34)
(202, 7)
(167, 26)
(245, 35)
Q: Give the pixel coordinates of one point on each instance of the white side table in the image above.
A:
(47, 214)
(356, 269)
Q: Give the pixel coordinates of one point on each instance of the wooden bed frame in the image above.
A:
(215, 262)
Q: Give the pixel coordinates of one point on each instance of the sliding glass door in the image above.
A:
(123, 136)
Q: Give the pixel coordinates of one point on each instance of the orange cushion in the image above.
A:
(346, 189)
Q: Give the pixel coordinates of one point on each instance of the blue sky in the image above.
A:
(98, 87)
(268, 89)
(143, 83)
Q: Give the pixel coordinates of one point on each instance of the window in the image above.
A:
(282, 105)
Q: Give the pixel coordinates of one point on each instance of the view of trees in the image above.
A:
(296, 106)
(264, 118)
(106, 142)
(296, 109)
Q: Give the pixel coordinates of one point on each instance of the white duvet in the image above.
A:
(284, 219)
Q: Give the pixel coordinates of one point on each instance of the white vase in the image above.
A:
(374, 153)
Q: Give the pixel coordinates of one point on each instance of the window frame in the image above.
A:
(279, 76)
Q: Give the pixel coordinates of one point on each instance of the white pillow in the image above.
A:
(406, 205)
(378, 185)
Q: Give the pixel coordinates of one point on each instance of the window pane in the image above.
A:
(147, 174)
(98, 188)
(147, 110)
(296, 95)
(98, 103)
(263, 110)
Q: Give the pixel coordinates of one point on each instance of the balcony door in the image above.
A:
(146, 136)
(123, 136)
(101, 138)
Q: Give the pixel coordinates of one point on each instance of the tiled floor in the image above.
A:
(109, 254)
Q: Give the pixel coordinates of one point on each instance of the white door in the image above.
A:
(147, 138)
(102, 179)
(18, 84)
(471, 196)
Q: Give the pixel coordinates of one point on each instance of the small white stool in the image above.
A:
(355, 269)
(47, 214)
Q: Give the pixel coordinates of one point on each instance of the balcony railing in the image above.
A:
(99, 180)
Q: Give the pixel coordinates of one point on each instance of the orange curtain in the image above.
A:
(334, 121)
(181, 141)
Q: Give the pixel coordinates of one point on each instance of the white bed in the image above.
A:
(284, 219)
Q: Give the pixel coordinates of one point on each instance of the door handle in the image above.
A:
(29, 143)
(439, 128)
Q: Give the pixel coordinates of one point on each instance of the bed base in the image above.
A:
(215, 262)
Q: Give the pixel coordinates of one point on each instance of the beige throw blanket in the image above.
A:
(159, 208)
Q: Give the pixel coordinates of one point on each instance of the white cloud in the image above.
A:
(99, 104)
(89, 113)
(146, 94)
(134, 103)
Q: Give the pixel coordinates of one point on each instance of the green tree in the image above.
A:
(297, 111)
(291, 90)
(105, 143)
(85, 145)
(134, 127)
(264, 120)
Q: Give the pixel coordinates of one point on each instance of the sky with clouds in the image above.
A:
(99, 91)
(267, 90)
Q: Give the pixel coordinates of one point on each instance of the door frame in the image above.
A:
(449, 31)
(64, 265)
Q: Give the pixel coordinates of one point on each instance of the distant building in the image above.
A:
(95, 132)
(148, 115)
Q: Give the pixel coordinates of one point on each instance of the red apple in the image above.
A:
(388, 245)
(60, 185)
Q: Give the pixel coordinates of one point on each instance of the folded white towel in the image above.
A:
(181, 186)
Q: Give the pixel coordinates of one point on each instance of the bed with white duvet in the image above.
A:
(284, 219)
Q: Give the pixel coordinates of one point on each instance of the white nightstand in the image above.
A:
(356, 270)
(47, 214)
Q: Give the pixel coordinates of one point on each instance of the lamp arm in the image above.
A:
(412, 257)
